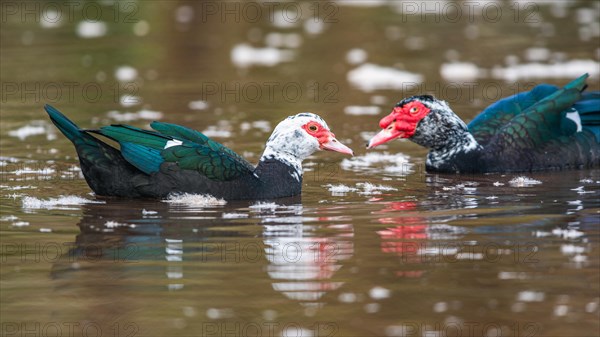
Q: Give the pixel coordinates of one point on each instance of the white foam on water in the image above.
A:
(141, 28)
(286, 19)
(458, 71)
(512, 275)
(189, 199)
(536, 54)
(115, 224)
(369, 77)
(397, 163)
(8, 218)
(567, 233)
(56, 203)
(370, 189)
(569, 69)
(264, 206)
(531, 296)
(244, 56)
(213, 131)
(132, 116)
(234, 215)
(126, 73)
(357, 110)
(28, 170)
(279, 40)
(184, 14)
(51, 18)
(314, 26)
(32, 129)
(340, 189)
(379, 293)
(523, 181)
(198, 105)
(91, 29)
(569, 249)
(356, 56)
(129, 100)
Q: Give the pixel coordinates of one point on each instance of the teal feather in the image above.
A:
(145, 149)
(146, 159)
(215, 165)
(180, 132)
(185, 134)
(131, 134)
(540, 122)
(493, 118)
(87, 146)
(496, 117)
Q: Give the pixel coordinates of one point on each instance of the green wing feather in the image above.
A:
(492, 119)
(197, 152)
(183, 133)
(214, 164)
(131, 134)
(542, 121)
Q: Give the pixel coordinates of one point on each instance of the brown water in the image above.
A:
(413, 254)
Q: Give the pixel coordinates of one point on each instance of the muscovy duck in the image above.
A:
(547, 128)
(175, 159)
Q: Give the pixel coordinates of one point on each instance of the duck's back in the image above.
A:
(546, 128)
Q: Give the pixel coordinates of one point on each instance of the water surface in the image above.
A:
(374, 247)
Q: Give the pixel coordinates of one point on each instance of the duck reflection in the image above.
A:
(302, 262)
(415, 239)
(132, 237)
(173, 248)
(405, 237)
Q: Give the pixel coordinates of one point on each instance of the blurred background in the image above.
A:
(215, 65)
(233, 70)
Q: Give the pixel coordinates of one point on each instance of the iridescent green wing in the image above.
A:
(183, 133)
(541, 122)
(191, 150)
(488, 123)
(211, 160)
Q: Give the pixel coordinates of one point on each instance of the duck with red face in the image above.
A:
(546, 128)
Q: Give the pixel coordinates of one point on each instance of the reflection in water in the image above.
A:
(302, 264)
(172, 249)
(404, 238)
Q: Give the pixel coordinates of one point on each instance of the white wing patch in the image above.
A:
(173, 142)
(574, 116)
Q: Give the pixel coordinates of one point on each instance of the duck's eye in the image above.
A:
(413, 110)
(313, 128)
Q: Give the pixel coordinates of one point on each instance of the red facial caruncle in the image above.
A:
(400, 123)
(326, 138)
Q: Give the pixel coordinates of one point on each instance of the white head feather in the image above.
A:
(290, 143)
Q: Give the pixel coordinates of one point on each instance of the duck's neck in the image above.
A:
(462, 143)
(447, 136)
(290, 164)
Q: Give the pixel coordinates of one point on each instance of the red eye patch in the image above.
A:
(318, 131)
(405, 118)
